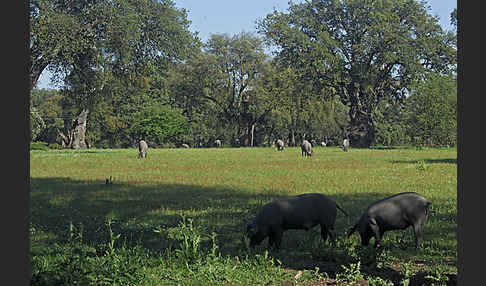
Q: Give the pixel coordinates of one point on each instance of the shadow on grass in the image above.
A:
(428, 161)
(138, 210)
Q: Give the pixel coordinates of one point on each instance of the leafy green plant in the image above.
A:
(421, 165)
(378, 281)
(407, 274)
(111, 243)
(437, 277)
(352, 273)
(189, 238)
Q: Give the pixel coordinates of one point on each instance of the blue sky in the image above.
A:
(234, 16)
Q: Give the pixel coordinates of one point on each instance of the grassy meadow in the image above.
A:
(178, 217)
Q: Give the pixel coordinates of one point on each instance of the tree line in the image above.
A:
(376, 72)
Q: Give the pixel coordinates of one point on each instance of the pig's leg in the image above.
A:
(378, 233)
(275, 237)
(418, 229)
(332, 235)
(324, 232)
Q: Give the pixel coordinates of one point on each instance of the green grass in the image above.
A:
(179, 216)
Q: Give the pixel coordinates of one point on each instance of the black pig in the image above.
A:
(391, 213)
(299, 212)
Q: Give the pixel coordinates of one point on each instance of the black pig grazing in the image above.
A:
(395, 212)
(299, 212)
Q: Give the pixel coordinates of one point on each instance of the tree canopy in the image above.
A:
(366, 51)
(110, 56)
(377, 72)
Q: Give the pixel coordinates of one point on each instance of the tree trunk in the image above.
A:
(76, 137)
(361, 133)
(79, 140)
(252, 132)
(243, 135)
(66, 140)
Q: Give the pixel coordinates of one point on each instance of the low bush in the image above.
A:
(39, 146)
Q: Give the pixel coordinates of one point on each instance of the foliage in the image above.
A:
(105, 55)
(366, 51)
(454, 17)
(48, 103)
(78, 263)
(159, 124)
(377, 281)
(340, 68)
(54, 146)
(223, 78)
(438, 277)
(390, 124)
(406, 273)
(57, 35)
(189, 238)
(350, 274)
(38, 146)
(432, 111)
(37, 125)
(191, 86)
(120, 35)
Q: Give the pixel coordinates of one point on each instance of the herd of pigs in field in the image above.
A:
(305, 211)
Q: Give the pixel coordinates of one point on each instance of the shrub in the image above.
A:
(39, 146)
(168, 145)
(54, 146)
(160, 123)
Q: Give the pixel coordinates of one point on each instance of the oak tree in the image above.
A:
(366, 51)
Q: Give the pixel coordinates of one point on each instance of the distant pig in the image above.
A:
(345, 144)
(280, 145)
(306, 148)
(142, 149)
(298, 212)
(391, 213)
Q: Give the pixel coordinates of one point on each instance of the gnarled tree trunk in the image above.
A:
(361, 131)
(79, 140)
(76, 137)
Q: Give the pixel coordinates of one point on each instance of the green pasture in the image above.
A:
(179, 216)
